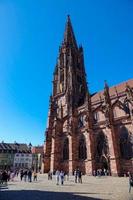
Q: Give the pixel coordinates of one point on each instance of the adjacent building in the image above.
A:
(37, 158)
(88, 131)
(23, 160)
(15, 155)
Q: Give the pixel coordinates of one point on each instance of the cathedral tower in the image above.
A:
(69, 93)
(69, 75)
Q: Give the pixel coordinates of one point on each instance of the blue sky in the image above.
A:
(30, 34)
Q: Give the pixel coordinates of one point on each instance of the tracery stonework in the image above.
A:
(89, 131)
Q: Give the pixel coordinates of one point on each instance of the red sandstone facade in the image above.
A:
(84, 130)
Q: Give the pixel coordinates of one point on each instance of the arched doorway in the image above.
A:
(102, 152)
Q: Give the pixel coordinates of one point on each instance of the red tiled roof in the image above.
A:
(112, 91)
(38, 149)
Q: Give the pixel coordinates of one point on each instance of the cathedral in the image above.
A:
(87, 131)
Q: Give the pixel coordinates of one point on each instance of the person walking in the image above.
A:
(57, 173)
(21, 175)
(49, 175)
(79, 176)
(35, 176)
(130, 181)
(62, 177)
(5, 177)
(30, 176)
(0, 178)
(25, 175)
(76, 175)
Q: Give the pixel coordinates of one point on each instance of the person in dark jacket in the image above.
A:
(30, 176)
(130, 181)
(4, 177)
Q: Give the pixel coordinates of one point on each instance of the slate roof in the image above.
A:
(15, 147)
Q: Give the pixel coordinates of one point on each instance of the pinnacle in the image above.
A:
(106, 84)
(69, 37)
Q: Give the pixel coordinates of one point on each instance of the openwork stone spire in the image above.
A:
(69, 37)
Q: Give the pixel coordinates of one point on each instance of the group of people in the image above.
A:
(78, 175)
(7, 175)
(4, 177)
(101, 172)
(27, 175)
(61, 176)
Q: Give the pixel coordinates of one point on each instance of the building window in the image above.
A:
(96, 117)
(126, 108)
(80, 122)
(26, 165)
(126, 144)
(82, 148)
(66, 149)
(22, 164)
(102, 147)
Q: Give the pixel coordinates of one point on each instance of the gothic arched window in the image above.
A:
(96, 117)
(82, 148)
(126, 143)
(66, 149)
(80, 122)
(102, 147)
(126, 107)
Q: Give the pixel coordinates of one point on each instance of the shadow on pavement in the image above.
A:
(40, 195)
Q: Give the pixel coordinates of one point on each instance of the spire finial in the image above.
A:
(106, 84)
(69, 37)
(68, 17)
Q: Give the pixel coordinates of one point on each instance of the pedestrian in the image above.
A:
(57, 173)
(67, 174)
(30, 176)
(94, 172)
(21, 174)
(12, 175)
(25, 175)
(9, 174)
(76, 175)
(62, 177)
(5, 177)
(130, 181)
(35, 176)
(105, 172)
(49, 175)
(17, 173)
(0, 178)
(79, 176)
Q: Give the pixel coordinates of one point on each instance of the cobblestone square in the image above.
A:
(92, 188)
